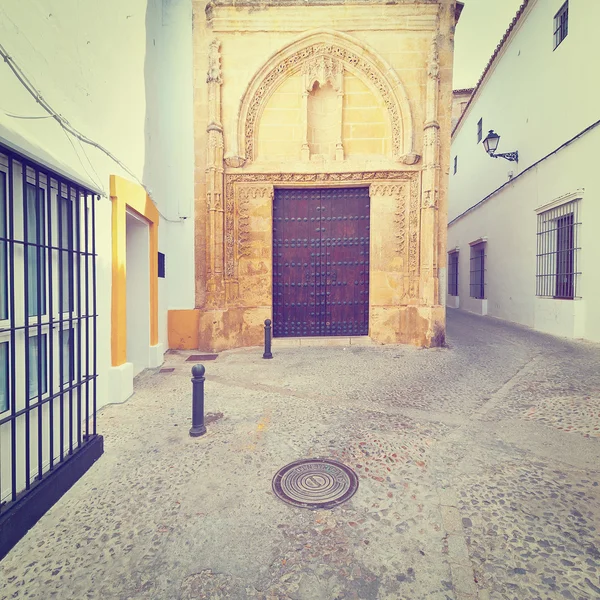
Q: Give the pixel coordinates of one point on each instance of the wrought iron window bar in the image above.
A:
(453, 273)
(48, 323)
(557, 268)
(477, 281)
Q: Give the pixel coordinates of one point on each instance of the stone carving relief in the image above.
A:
(323, 69)
(413, 225)
(433, 63)
(214, 63)
(239, 181)
(233, 161)
(325, 59)
(245, 196)
(400, 221)
(399, 193)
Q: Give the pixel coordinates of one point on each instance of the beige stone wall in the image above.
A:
(280, 130)
(348, 93)
(460, 99)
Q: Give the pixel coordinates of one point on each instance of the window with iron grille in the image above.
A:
(478, 271)
(561, 24)
(453, 273)
(479, 130)
(47, 323)
(455, 164)
(557, 272)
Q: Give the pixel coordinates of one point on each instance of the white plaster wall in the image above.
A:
(509, 222)
(138, 292)
(535, 98)
(121, 73)
(169, 166)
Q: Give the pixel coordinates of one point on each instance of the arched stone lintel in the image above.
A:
(357, 58)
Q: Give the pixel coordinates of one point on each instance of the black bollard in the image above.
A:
(198, 427)
(267, 353)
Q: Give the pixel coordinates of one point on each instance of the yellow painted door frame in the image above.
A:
(126, 195)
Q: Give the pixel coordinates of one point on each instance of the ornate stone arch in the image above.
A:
(356, 58)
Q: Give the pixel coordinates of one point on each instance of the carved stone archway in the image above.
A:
(356, 58)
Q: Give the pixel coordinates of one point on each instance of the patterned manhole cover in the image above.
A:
(315, 483)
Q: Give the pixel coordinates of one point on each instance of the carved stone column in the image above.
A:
(430, 183)
(214, 181)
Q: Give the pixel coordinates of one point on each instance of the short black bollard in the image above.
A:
(198, 427)
(267, 353)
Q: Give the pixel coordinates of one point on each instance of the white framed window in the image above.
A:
(67, 338)
(37, 383)
(4, 397)
(35, 232)
(65, 257)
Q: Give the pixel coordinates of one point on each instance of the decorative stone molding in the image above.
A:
(239, 191)
(409, 159)
(244, 197)
(399, 192)
(214, 62)
(214, 178)
(323, 69)
(428, 258)
(433, 62)
(344, 52)
(414, 223)
(233, 161)
(230, 16)
(385, 189)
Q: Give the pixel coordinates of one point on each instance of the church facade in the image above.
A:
(322, 135)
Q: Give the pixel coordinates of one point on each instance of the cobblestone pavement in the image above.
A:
(479, 471)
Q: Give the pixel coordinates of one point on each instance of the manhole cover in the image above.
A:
(315, 483)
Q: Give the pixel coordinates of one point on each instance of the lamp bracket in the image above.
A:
(512, 156)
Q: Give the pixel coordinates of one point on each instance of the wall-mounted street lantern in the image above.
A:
(491, 143)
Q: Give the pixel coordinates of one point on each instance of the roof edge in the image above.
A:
(492, 60)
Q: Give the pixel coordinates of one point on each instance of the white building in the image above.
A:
(523, 236)
(96, 159)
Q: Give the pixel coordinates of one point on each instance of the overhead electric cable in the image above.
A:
(64, 123)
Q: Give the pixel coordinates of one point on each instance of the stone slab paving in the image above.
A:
(479, 472)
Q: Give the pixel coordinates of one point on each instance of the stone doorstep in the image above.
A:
(290, 342)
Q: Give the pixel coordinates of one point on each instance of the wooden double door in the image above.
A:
(321, 262)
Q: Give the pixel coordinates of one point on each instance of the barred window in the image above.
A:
(561, 24)
(479, 130)
(557, 272)
(48, 323)
(453, 273)
(478, 271)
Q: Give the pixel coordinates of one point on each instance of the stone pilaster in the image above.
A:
(430, 182)
(214, 182)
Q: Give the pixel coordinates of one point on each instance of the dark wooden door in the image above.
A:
(321, 262)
